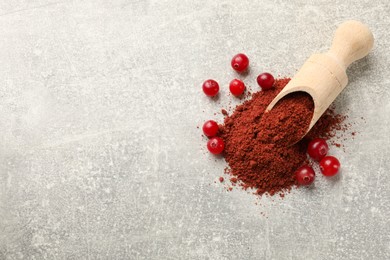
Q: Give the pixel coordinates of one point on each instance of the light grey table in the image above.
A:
(100, 157)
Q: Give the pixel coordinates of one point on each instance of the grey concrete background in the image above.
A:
(100, 157)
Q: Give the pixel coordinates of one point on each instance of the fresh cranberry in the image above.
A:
(210, 87)
(265, 80)
(210, 128)
(317, 148)
(237, 87)
(216, 145)
(240, 62)
(305, 175)
(329, 166)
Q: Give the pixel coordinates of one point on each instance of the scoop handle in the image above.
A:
(352, 41)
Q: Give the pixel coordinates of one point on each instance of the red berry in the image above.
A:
(240, 62)
(210, 87)
(305, 175)
(215, 145)
(237, 87)
(265, 80)
(329, 166)
(317, 148)
(210, 128)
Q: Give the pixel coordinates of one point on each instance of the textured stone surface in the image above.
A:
(100, 157)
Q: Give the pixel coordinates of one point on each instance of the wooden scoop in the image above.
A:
(323, 76)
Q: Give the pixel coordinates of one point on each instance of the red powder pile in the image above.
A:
(257, 143)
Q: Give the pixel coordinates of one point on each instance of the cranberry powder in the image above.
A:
(262, 149)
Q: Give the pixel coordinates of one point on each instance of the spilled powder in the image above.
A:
(255, 143)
